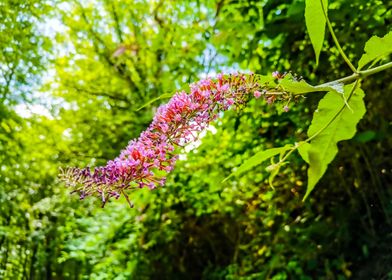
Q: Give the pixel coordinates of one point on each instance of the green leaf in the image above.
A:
(290, 84)
(257, 159)
(376, 48)
(303, 149)
(264, 79)
(163, 96)
(323, 148)
(315, 23)
(366, 136)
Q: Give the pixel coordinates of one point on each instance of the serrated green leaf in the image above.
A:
(376, 48)
(323, 148)
(290, 84)
(257, 159)
(315, 24)
(265, 79)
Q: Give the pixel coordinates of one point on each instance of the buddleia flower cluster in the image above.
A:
(147, 160)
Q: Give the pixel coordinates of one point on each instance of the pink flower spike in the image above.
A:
(146, 161)
(286, 108)
(270, 100)
(225, 87)
(220, 76)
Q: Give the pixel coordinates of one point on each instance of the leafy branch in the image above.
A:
(338, 112)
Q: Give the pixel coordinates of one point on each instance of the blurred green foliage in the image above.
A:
(101, 61)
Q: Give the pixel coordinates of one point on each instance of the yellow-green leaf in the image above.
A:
(315, 23)
(323, 148)
(376, 48)
(163, 96)
(290, 84)
(257, 159)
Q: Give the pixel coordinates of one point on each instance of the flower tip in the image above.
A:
(257, 94)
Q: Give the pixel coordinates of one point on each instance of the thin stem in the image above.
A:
(127, 198)
(360, 74)
(335, 39)
(375, 70)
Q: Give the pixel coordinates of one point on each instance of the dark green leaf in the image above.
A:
(365, 136)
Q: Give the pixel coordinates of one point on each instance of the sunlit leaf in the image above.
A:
(257, 159)
(376, 48)
(315, 23)
(163, 96)
(323, 148)
(290, 84)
